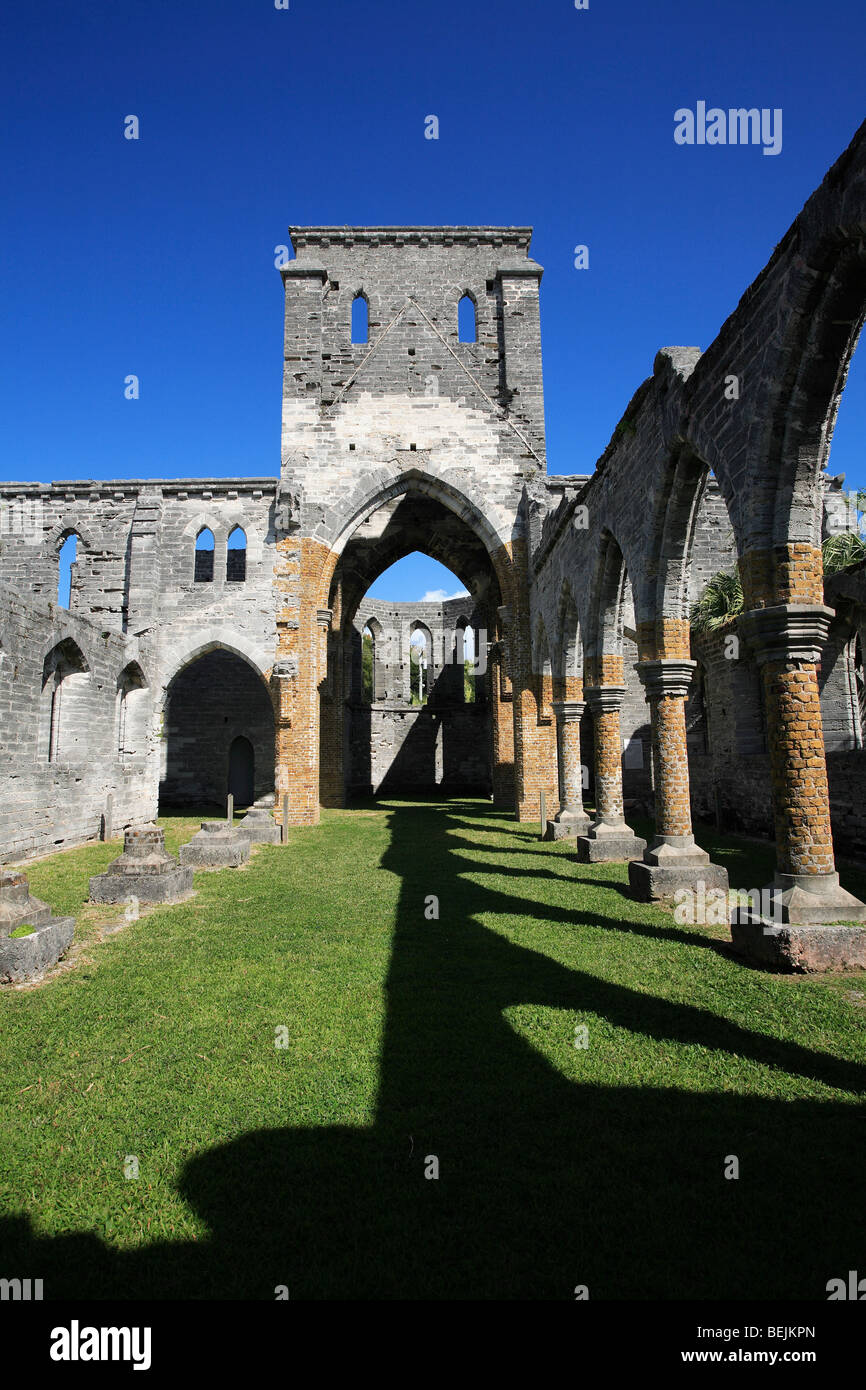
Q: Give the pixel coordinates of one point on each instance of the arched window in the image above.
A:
(368, 665)
(236, 556)
(467, 327)
(360, 319)
(66, 558)
(420, 664)
(204, 550)
(131, 713)
(65, 703)
(469, 668)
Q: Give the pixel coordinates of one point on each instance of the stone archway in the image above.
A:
(216, 703)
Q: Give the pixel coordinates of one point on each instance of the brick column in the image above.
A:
(787, 640)
(673, 861)
(608, 837)
(331, 777)
(571, 819)
(503, 732)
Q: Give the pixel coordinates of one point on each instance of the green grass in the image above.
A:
(408, 1037)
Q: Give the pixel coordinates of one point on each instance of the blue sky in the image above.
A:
(156, 256)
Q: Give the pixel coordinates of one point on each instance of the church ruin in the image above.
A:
(214, 636)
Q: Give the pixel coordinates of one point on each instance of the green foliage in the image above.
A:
(722, 599)
(720, 603)
(367, 666)
(842, 551)
(24, 930)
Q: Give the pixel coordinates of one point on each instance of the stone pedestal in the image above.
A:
(145, 871)
(614, 844)
(258, 825)
(793, 930)
(800, 949)
(216, 846)
(671, 863)
(22, 957)
(567, 825)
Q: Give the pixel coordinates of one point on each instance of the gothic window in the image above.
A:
(236, 556)
(204, 553)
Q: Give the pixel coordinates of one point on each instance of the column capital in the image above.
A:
(787, 632)
(605, 699)
(324, 616)
(666, 676)
(567, 710)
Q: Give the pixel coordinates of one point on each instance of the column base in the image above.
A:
(796, 928)
(800, 949)
(567, 825)
(611, 844)
(652, 882)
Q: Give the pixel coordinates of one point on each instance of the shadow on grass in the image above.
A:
(544, 1183)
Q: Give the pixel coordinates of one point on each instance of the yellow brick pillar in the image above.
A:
(787, 640)
(608, 837)
(502, 719)
(296, 674)
(672, 862)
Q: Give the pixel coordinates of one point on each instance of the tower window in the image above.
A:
(67, 557)
(236, 556)
(204, 548)
(360, 320)
(467, 328)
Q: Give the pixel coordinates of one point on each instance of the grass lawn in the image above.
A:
(409, 1037)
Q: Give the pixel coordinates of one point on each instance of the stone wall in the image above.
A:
(64, 748)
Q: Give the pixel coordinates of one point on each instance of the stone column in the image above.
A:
(608, 837)
(571, 819)
(787, 640)
(673, 861)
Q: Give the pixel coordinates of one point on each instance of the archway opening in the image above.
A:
(415, 589)
(217, 735)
